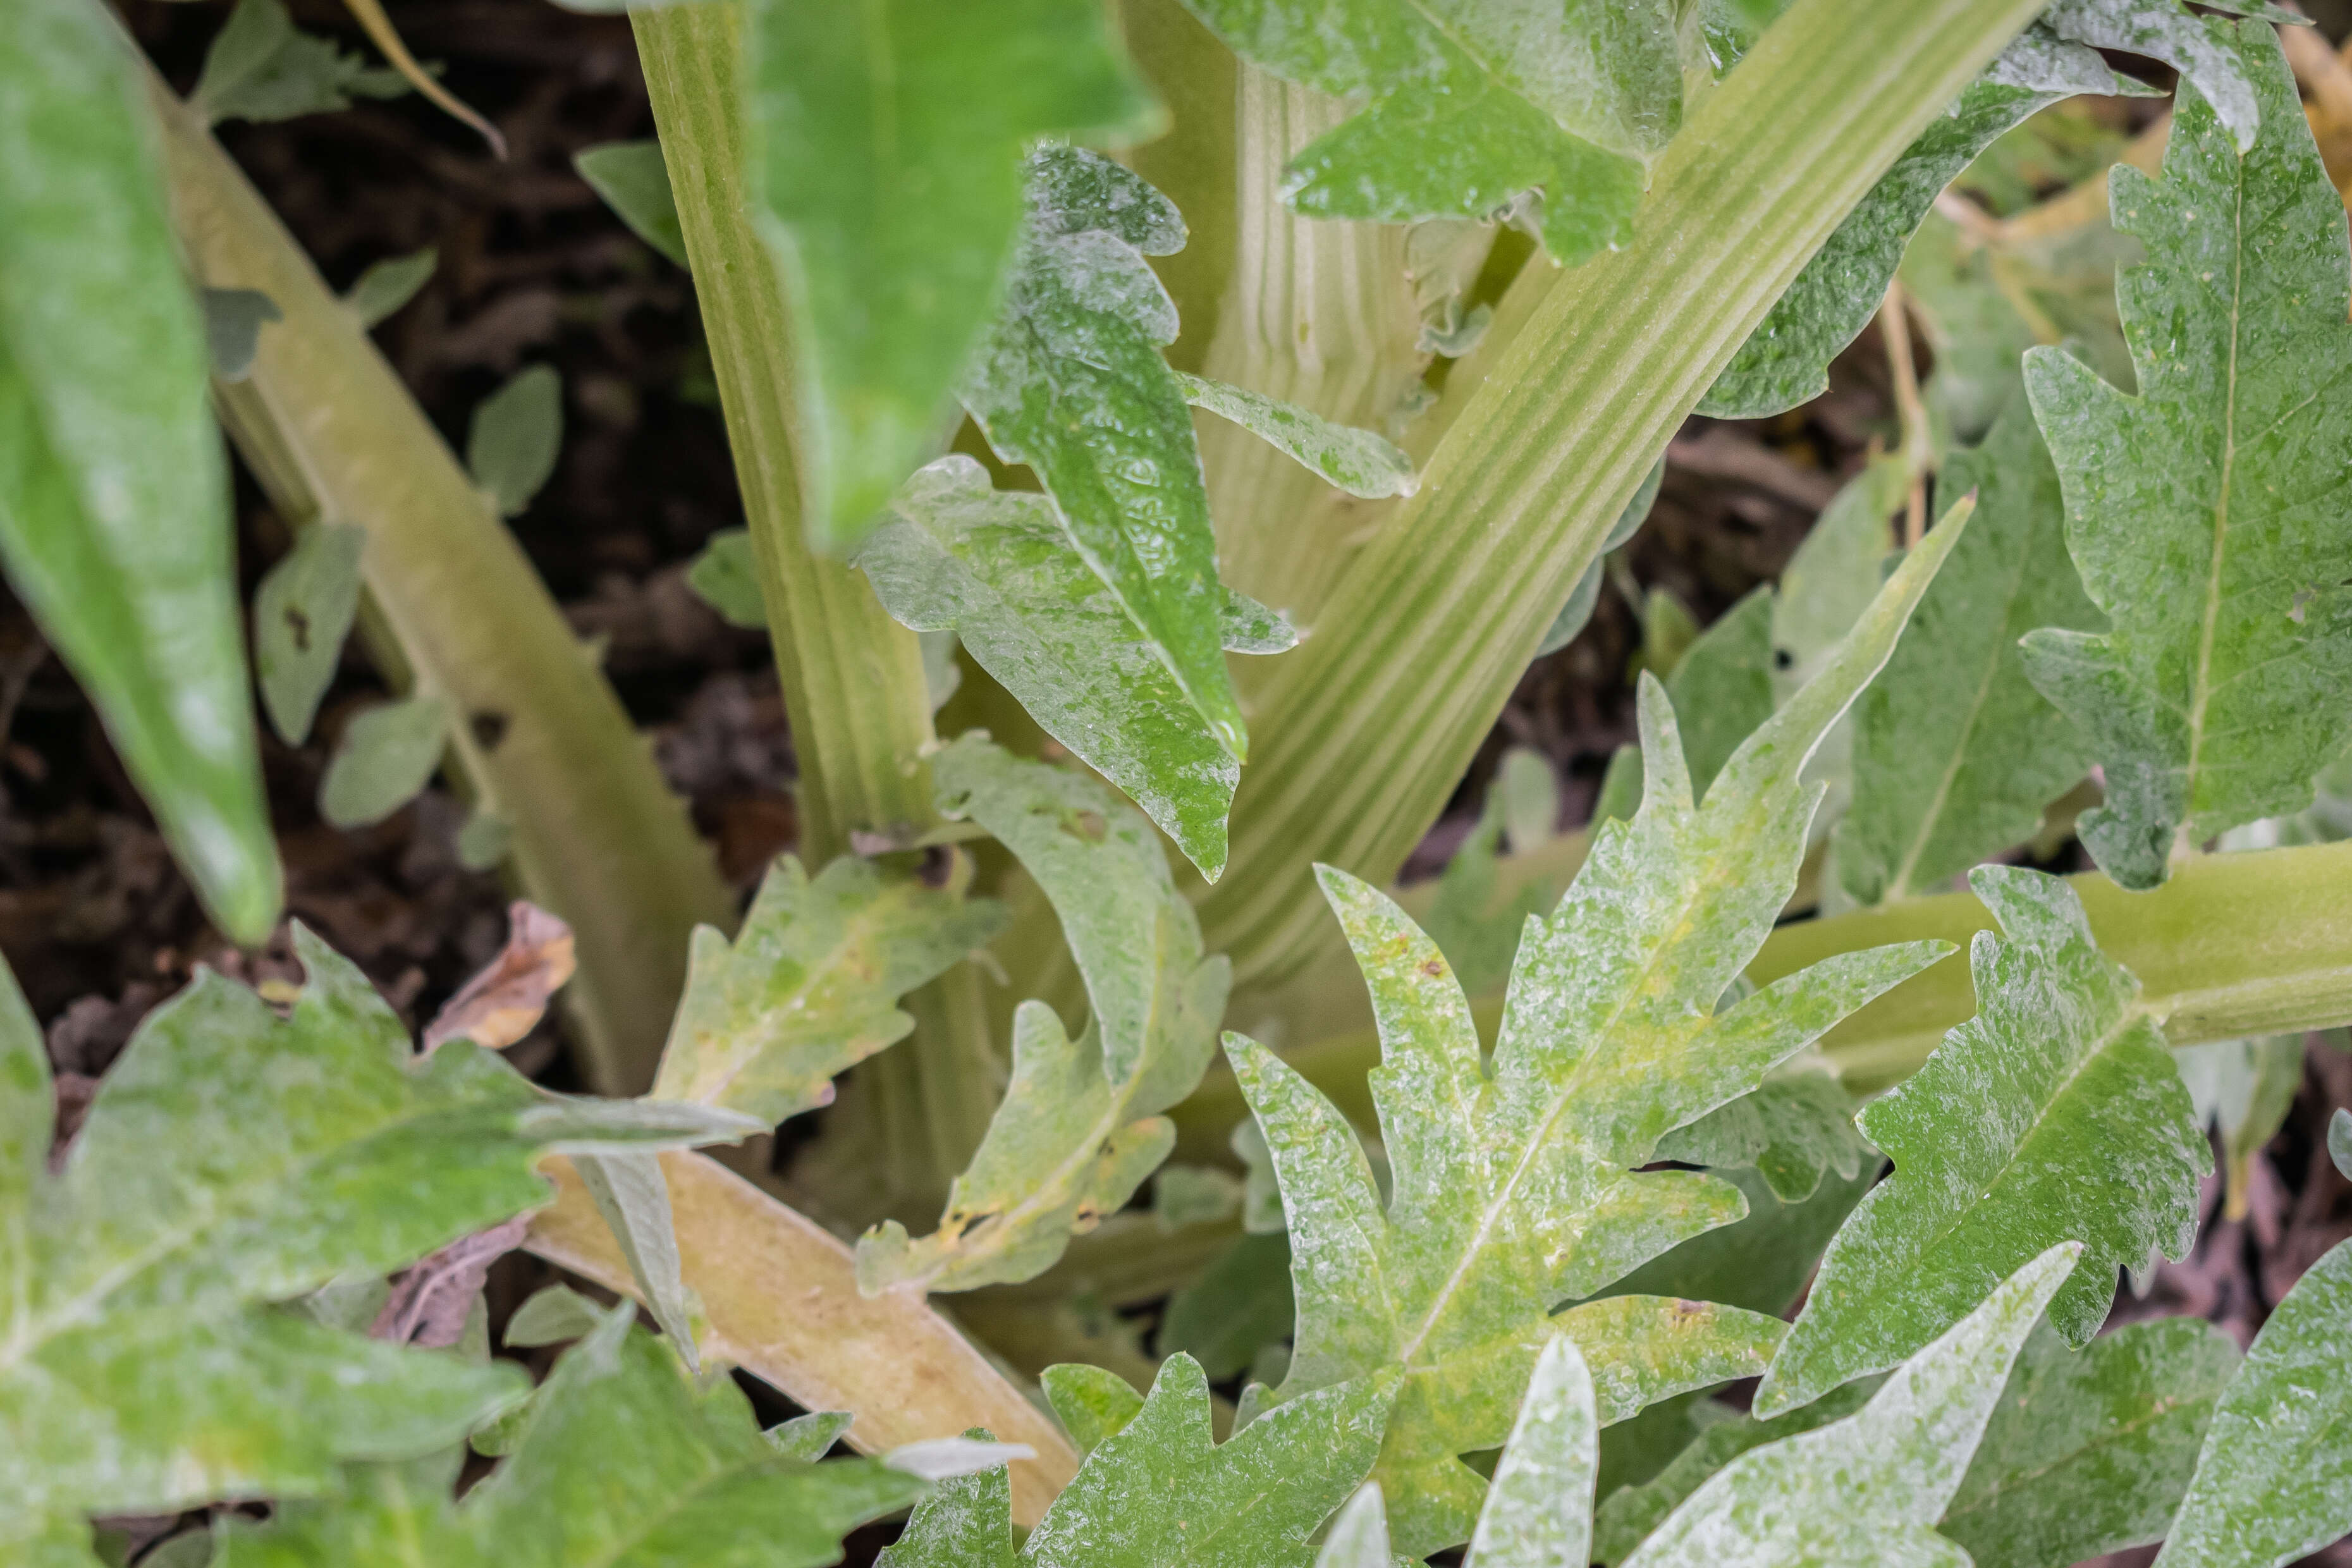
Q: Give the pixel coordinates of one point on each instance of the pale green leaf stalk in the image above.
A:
(1159, 1492)
(1864, 1492)
(810, 986)
(1367, 728)
(996, 567)
(1079, 1128)
(1070, 381)
(887, 148)
(695, 1482)
(383, 759)
(2088, 1451)
(2274, 1481)
(1787, 362)
(1516, 1187)
(635, 182)
(233, 1158)
(1954, 753)
(1468, 112)
(2054, 1114)
(1539, 1511)
(301, 614)
(114, 521)
(2205, 513)
(1363, 464)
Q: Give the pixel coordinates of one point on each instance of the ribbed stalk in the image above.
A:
(1366, 729)
(454, 608)
(853, 678)
(2258, 943)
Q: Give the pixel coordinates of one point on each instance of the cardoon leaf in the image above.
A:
(1795, 1126)
(1865, 1490)
(888, 146)
(1539, 1511)
(1517, 1188)
(635, 182)
(1472, 106)
(1954, 753)
(2274, 1481)
(1786, 360)
(260, 68)
(996, 568)
(2199, 48)
(2205, 513)
(2056, 1113)
(301, 612)
(2088, 1451)
(233, 1158)
(1079, 1128)
(1356, 461)
(1070, 381)
(1762, 1262)
(1159, 1492)
(693, 1482)
(810, 984)
(115, 521)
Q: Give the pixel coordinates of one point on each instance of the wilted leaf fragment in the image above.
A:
(1865, 1491)
(114, 523)
(886, 149)
(997, 568)
(810, 986)
(624, 1461)
(233, 1158)
(1517, 1188)
(1472, 106)
(301, 612)
(261, 68)
(2088, 1451)
(1356, 461)
(506, 998)
(516, 432)
(1955, 752)
(2054, 1114)
(2274, 1480)
(2207, 513)
(635, 182)
(383, 758)
(1079, 1128)
(1071, 382)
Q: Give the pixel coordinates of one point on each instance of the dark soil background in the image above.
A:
(534, 269)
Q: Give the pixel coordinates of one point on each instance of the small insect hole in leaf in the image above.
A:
(490, 728)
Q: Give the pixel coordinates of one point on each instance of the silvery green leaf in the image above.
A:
(1539, 1509)
(233, 321)
(1792, 1127)
(2088, 1451)
(1628, 1516)
(384, 756)
(944, 1458)
(728, 580)
(1261, 1192)
(1079, 1128)
(2274, 1481)
(1954, 753)
(552, 1314)
(810, 984)
(1193, 1195)
(630, 1192)
(1586, 595)
(1762, 1262)
(232, 1159)
(515, 435)
(2056, 1113)
(1469, 107)
(1071, 382)
(1786, 361)
(998, 569)
(1090, 1403)
(484, 840)
(1239, 1305)
(114, 518)
(2244, 1088)
(624, 1460)
(941, 675)
(260, 68)
(809, 1437)
(1517, 1187)
(1357, 461)
(301, 612)
(1865, 1490)
(635, 182)
(1974, 329)
(2205, 513)
(1724, 683)
(2203, 51)
(389, 284)
(1478, 933)
(1359, 1537)
(1836, 572)
(2339, 1141)
(886, 149)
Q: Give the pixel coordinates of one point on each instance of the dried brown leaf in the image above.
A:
(502, 1003)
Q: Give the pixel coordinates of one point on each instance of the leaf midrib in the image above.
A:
(2207, 633)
